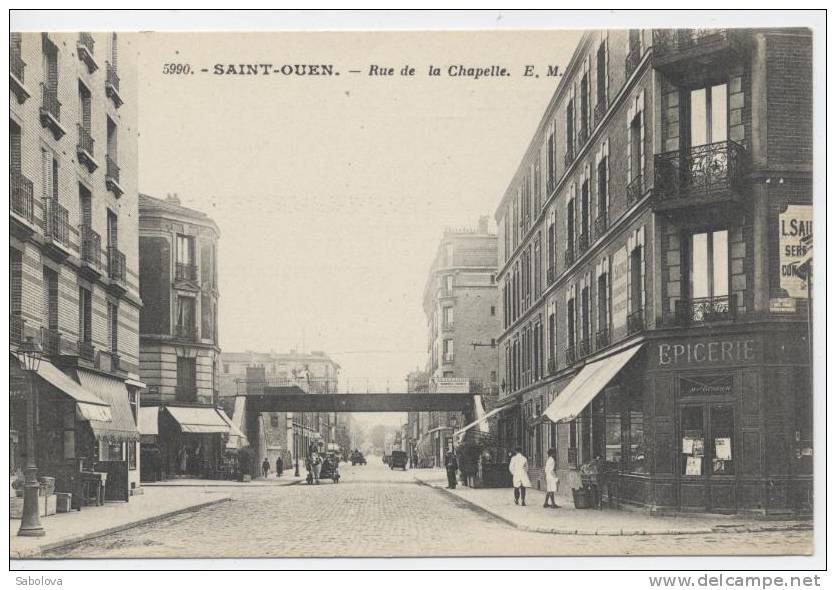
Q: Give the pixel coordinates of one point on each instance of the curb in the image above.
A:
(39, 551)
(613, 532)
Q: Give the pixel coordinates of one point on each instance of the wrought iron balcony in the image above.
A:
(112, 84)
(57, 226)
(86, 350)
(85, 148)
(600, 111)
(112, 176)
(570, 155)
(21, 196)
(677, 51)
(16, 328)
(85, 46)
(635, 321)
(635, 190)
(185, 332)
(583, 242)
(185, 272)
(706, 309)
(17, 69)
(583, 348)
(571, 354)
(602, 338)
(699, 173)
(601, 224)
(91, 246)
(51, 342)
(51, 111)
(631, 62)
(551, 276)
(116, 270)
(569, 256)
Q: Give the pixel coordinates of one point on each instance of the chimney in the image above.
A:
(483, 224)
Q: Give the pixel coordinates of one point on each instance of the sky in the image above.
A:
(331, 193)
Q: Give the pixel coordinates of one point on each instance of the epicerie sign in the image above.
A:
(700, 353)
(795, 232)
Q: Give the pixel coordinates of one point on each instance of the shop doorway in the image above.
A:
(706, 456)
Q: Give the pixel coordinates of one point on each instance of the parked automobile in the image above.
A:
(397, 459)
(357, 458)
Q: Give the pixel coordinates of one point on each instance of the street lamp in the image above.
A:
(29, 354)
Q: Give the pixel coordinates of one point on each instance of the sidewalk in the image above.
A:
(567, 520)
(272, 480)
(73, 527)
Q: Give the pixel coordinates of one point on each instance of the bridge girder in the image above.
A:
(279, 401)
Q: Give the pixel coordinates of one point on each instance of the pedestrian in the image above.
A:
(451, 464)
(265, 467)
(316, 465)
(279, 466)
(552, 481)
(519, 475)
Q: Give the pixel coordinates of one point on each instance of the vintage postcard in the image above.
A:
(489, 292)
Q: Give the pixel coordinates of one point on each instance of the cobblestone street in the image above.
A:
(378, 512)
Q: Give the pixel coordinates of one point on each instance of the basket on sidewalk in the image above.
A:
(582, 497)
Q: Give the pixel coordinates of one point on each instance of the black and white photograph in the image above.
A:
(480, 290)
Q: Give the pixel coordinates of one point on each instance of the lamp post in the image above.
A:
(295, 455)
(29, 354)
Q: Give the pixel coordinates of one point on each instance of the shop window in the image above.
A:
(722, 433)
(636, 457)
(692, 448)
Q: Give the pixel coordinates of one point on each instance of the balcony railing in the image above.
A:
(699, 171)
(16, 328)
(706, 309)
(185, 272)
(570, 155)
(601, 224)
(569, 256)
(86, 350)
(86, 41)
(602, 338)
(635, 190)
(50, 103)
(583, 242)
(50, 342)
(551, 277)
(112, 84)
(57, 226)
(116, 265)
(667, 42)
(571, 354)
(21, 197)
(185, 332)
(17, 67)
(85, 140)
(600, 111)
(631, 62)
(635, 321)
(91, 246)
(584, 348)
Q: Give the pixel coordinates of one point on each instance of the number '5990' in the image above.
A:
(175, 69)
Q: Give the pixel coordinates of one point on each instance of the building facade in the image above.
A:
(179, 350)
(461, 307)
(74, 284)
(290, 435)
(649, 316)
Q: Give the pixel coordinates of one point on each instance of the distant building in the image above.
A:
(460, 304)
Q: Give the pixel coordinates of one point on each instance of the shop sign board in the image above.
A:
(795, 235)
(620, 288)
(699, 353)
(782, 305)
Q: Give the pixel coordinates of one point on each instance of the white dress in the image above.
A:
(551, 476)
(519, 471)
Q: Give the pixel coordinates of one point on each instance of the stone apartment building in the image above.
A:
(73, 258)
(650, 317)
(461, 307)
(178, 254)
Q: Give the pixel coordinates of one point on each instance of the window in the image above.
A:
(112, 141)
(448, 249)
(84, 112)
(493, 310)
(185, 313)
(50, 68)
(552, 343)
(709, 264)
(601, 73)
(448, 317)
(693, 440)
(226, 368)
(14, 147)
(85, 201)
(636, 146)
(570, 323)
(584, 332)
(85, 315)
(585, 213)
(709, 115)
(636, 456)
(722, 435)
(570, 225)
(551, 253)
(447, 349)
(186, 379)
(538, 351)
(51, 299)
(603, 194)
(603, 309)
(538, 433)
(573, 443)
(15, 283)
(538, 267)
(493, 376)
(49, 167)
(132, 400)
(185, 250)
(112, 230)
(113, 326)
(584, 104)
(448, 284)
(570, 129)
(552, 171)
(636, 279)
(131, 455)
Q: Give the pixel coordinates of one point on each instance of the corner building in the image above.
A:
(649, 316)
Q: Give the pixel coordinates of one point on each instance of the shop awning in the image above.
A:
(237, 439)
(204, 420)
(149, 421)
(122, 424)
(593, 378)
(89, 406)
(481, 420)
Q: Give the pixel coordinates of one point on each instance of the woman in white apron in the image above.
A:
(519, 474)
(552, 482)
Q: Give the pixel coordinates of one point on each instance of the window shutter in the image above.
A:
(46, 174)
(607, 170)
(641, 136)
(607, 65)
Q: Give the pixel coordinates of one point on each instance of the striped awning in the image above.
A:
(149, 421)
(89, 406)
(122, 425)
(197, 420)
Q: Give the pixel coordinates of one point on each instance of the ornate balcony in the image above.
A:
(571, 354)
(116, 270)
(185, 332)
(112, 84)
(57, 225)
(17, 70)
(85, 46)
(16, 328)
(51, 111)
(91, 249)
(112, 176)
(86, 350)
(51, 342)
(551, 276)
(21, 197)
(569, 256)
(677, 52)
(602, 338)
(699, 175)
(601, 224)
(635, 190)
(600, 111)
(85, 148)
(706, 309)
(635, 322)
(185, 272)
(583, 242)
(583, 348)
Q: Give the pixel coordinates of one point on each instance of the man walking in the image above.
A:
(519, 475)
(265, 468)
(451, 464)
(279, 465)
